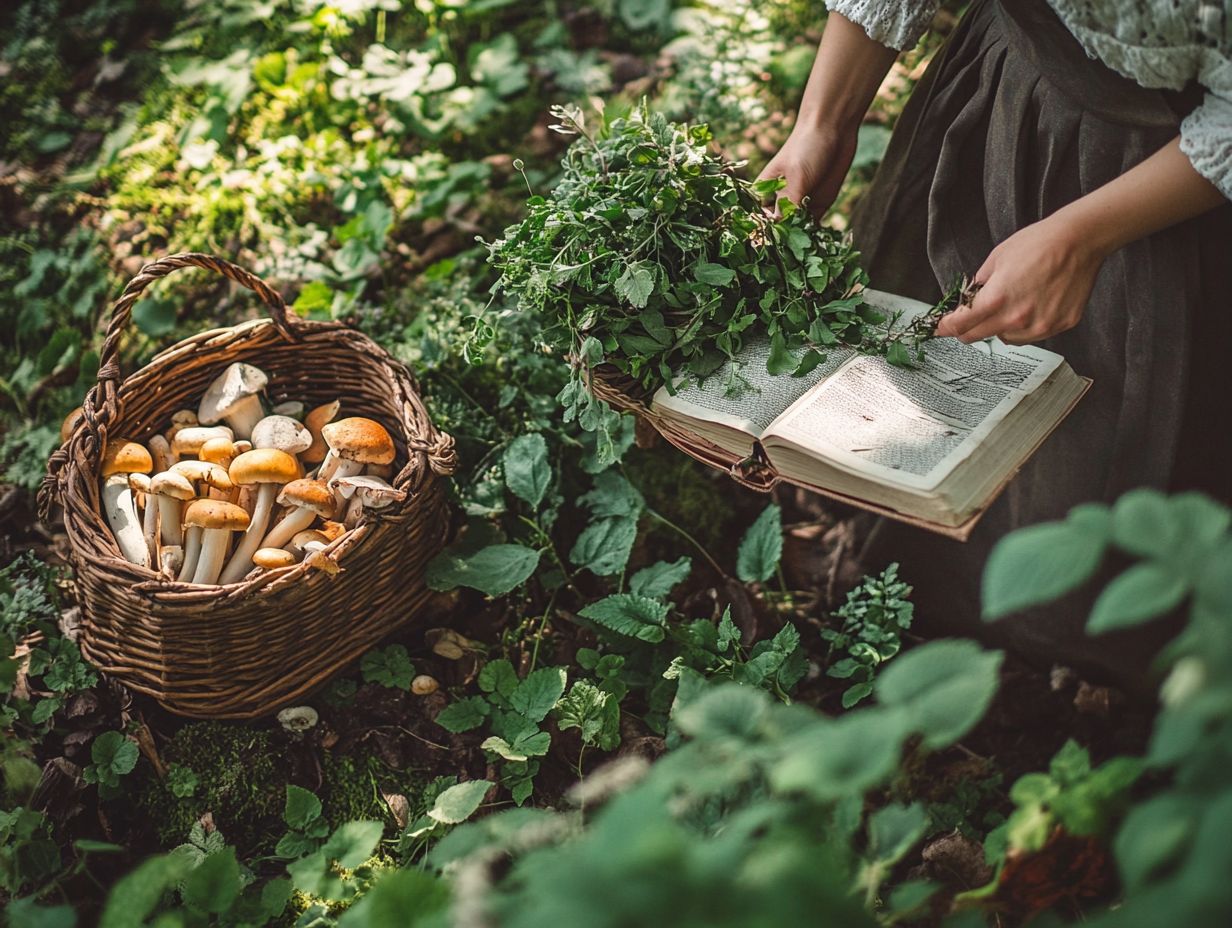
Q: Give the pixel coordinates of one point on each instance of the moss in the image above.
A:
(352, 786)
(241, 781)
(685, 492)
(365, 875)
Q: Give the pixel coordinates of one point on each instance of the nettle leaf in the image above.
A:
(1039, 563)
(657, 580)
(604, 546)
(463, 715)
(761, 547)
(458, 803)
(942, 688)
(494, 570)
(629, 614)
(1142, 592)
(527, 472)
(611, 496)
(636, 284)
(539, 692)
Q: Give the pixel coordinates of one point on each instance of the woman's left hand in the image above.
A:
(1035, 284)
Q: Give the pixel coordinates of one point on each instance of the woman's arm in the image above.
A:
(846, 74)
(1036, 283)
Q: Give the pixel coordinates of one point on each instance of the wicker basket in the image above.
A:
(248, 648)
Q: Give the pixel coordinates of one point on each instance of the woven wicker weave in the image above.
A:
(248, 648)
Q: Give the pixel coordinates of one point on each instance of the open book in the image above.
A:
(933, 445)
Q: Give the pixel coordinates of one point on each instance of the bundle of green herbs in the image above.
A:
(654, 256)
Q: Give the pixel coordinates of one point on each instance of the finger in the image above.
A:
(963, 319)
(1001, 324)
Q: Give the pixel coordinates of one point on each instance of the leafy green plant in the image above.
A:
(112, 756)
(871, 623)
(389, 666)
(306, 828)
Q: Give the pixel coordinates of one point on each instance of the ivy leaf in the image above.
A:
(539, 692)
(657, 580)
(494, 570)
(762, 546)
(629, 614)
(458, 803)
(463, 715)
(636, 284)
(527, 472)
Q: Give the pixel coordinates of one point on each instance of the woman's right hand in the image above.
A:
(814, 161)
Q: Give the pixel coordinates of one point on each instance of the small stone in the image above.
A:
(424, 685)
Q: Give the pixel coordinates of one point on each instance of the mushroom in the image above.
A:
(315, 421)
(332, 530)
(292, 408)
(188, 440)
(234, 396)
(365, 493)
(170, 560)
(283, 433)
(70, 423)
(222, 451)
(170, 490)
(305, 499)
(384, 471)
(140, 484)
(121, 458)
(298, 718)
(160, 451)
(296, 545)
(217, 519)
(268, 468)
(273, 558)
(204, 474)
(424, 685)
(353, 443)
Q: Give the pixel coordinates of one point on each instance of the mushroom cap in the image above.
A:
(373, 491)
(263, 465)
(299, 539)
(184, 418)
(172, 483)
(281, 432)
(122, 456)
(332, 530)
(292, 408)
(359, 439)
(218, 451)
(270, 558)
(139, 482)
(213, 474)
(216, 513)
(316, 420)
(189, 439)
(298, 718)
(309, 494)
(234, 385)
(70, 423)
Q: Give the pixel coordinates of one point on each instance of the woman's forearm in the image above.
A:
(1157, 193)
(846, 74)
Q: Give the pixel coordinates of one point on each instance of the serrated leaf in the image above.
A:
(464, 714)
(494, 570)
(527, 472)
(539, 692)
(498, 677)
(657, 580)
(636, 285)
(762, 546)
(629, 614)
(458, 803)
(716, 275)
(604, 546)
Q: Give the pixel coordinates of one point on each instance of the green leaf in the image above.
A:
(725, 711)
(136, 895)
(1037, 564)
(612, 496)
(527, 472)
(390, 666)
(539, 692)
(1153, 835)
(1142, 592)
(214, 884)
(714, 274)
(604, 546)
(498, 677)
(839, 758)
(780, 361)
(636, 284)
(494, 570)
(943, 688)
(401, 899)
(302, 808)
(114, 754)
(629, 614)
(1144, 523)
(458, 803)
(761, 547)
(893, 829)
(464, 714)
(657, 580)
(27, 913)
(353, 842)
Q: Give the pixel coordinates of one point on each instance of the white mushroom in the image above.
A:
(354, 443)
(269, 469)
(121, 458)
(292, 408)
(140, 484)
(218, 519)
(283, 433)
(171, 490)
(234, 396)
(170, 560)
(308, 536)
(188, 440)
(298, 718)
(305, 500)
(180, 419)
(160, 451)
(365, 492)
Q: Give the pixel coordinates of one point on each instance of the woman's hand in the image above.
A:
(1034, 285)
(813, 161)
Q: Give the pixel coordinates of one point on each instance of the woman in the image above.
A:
(1076, 157)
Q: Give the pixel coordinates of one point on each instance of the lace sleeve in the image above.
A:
(1206, 139)
(894, 23)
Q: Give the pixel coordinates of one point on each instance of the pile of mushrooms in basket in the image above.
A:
(228, 490)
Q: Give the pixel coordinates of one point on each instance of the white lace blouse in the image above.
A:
(1160, 44)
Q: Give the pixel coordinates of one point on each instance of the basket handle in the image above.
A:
(99, 403)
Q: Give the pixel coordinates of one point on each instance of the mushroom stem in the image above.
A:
(298, 519)
(170, 511)
(149, 525)
(213, 552)
(244, 416)
(341, 468)
(192, 553)
(122, 515)
(241, 560)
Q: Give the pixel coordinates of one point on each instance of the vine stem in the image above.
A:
(693, 541)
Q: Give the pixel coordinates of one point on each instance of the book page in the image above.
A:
(742, 394)
(912, 427)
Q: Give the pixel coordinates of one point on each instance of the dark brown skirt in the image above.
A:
(1011, 122)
